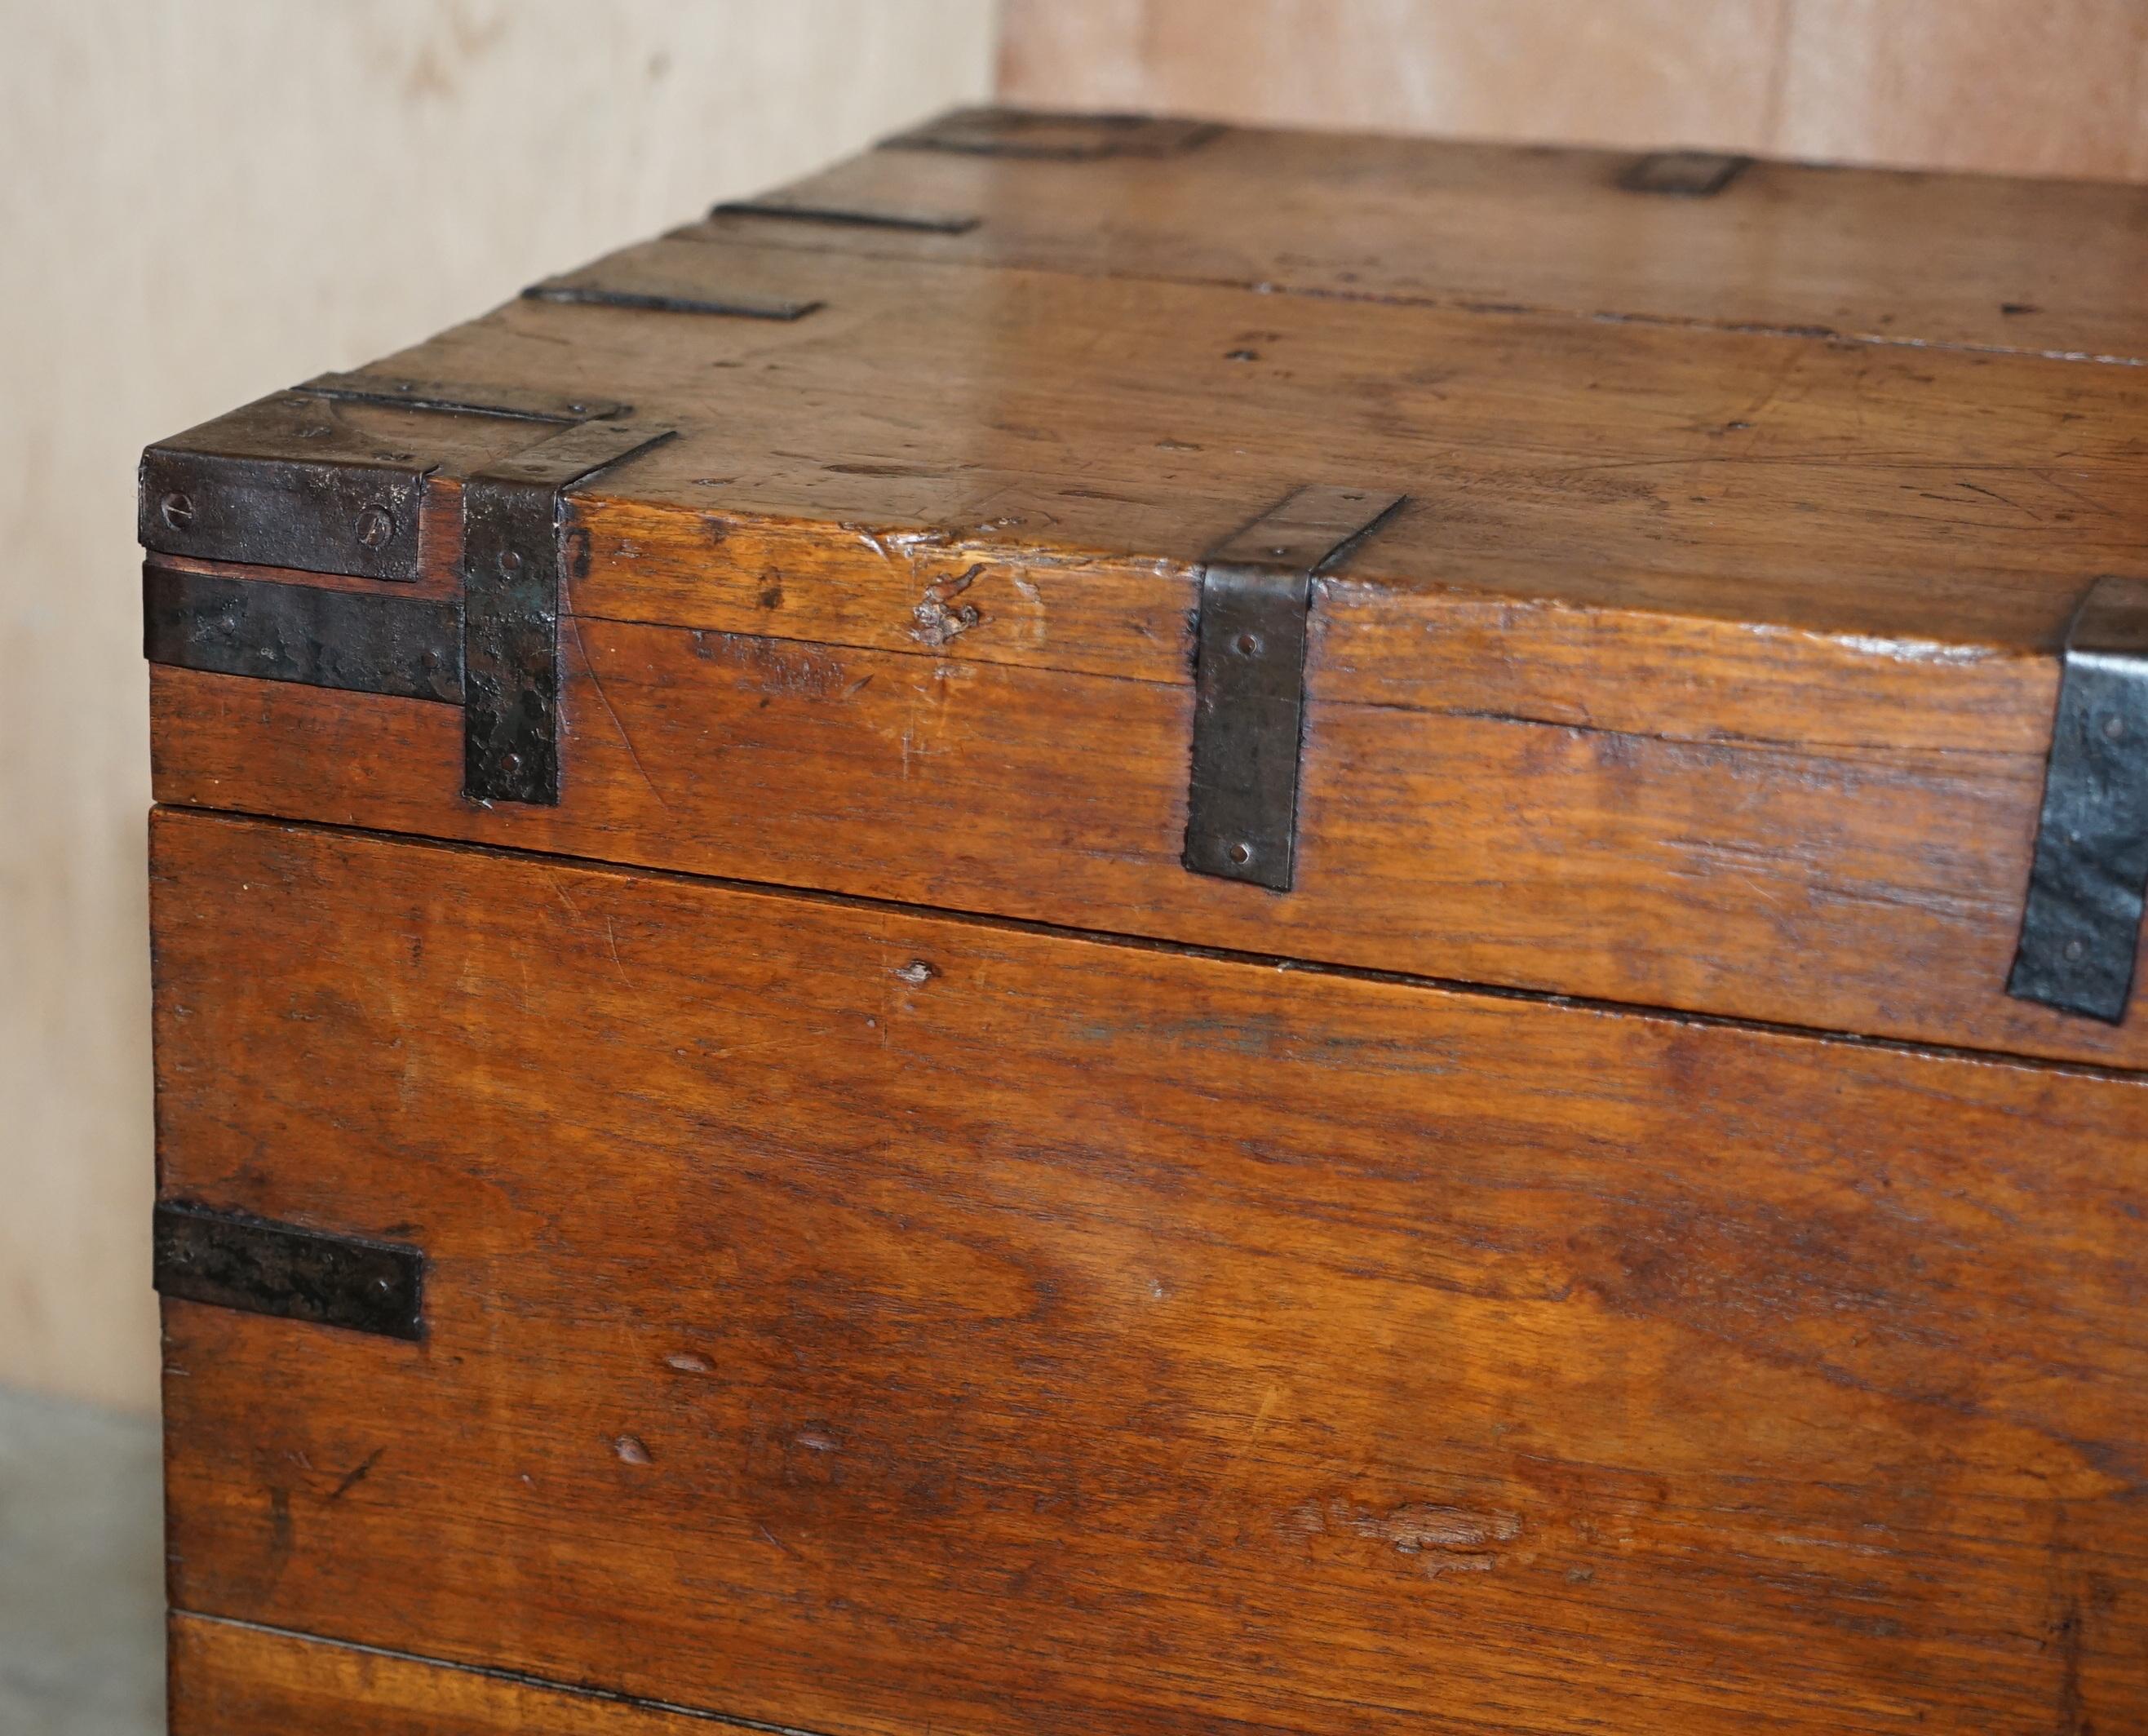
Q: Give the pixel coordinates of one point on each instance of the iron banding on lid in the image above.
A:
(2081, 924)
(512, 578)
(1046, 136)
(589, 291)
(1683, 174)
(1249, 681)
(285, 482)
(352, 516)
(449, 398)
(855, 216)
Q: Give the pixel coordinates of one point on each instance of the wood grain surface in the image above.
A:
(1826, 883)
(870, 1322)
(1951, 498)
(1878, 256)
(231, 1680)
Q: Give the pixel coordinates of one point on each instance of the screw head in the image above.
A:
(375, 525)
(177, 510)
(1241, 854)
(510, 563)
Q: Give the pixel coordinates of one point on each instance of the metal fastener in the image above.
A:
(178, 509)
(375, 525)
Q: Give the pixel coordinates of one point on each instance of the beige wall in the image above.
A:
(2044, 87)
(206, 199)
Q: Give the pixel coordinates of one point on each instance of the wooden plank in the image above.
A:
(1862, 493)
(1882, 256)
(1876, 890)
(1151, 1343)
(230, 1680)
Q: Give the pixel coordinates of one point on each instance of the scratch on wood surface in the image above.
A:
(589, 666)
(1261, 1415)
(356, 1475)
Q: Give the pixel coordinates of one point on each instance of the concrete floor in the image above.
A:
(82, 1642)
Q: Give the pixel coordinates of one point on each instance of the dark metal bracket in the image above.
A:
(1046, 136)
(350, 515)
(494, 650)
(1249, 681)
(359, 641)
(621, 284)
(273, 485)
(230, 1261)
(1683, 174)
(513, 581)
(516, 402)
(779, 208)
(2081, 925)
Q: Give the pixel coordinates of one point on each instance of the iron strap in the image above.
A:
(512, 593)
(2081, 925)
(281, 484)
(1249, 681)
(360, 641)
(229, 1260)
(1042, 135)
(1683, 174)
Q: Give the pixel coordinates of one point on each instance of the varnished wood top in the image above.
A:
(1881, 255)
(1095, 371)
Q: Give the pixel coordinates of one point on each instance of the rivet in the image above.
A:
(510, 563)
(178, 509)
(375, 525)
(1248, 645)
(510, 763)
(2075, 950)
(1241, 853)
(2114, 727)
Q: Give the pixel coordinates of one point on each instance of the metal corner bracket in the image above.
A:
(513, 576)
(2081, 923)
(1249, 681)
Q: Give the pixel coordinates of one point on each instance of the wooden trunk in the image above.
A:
(1119, 926)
